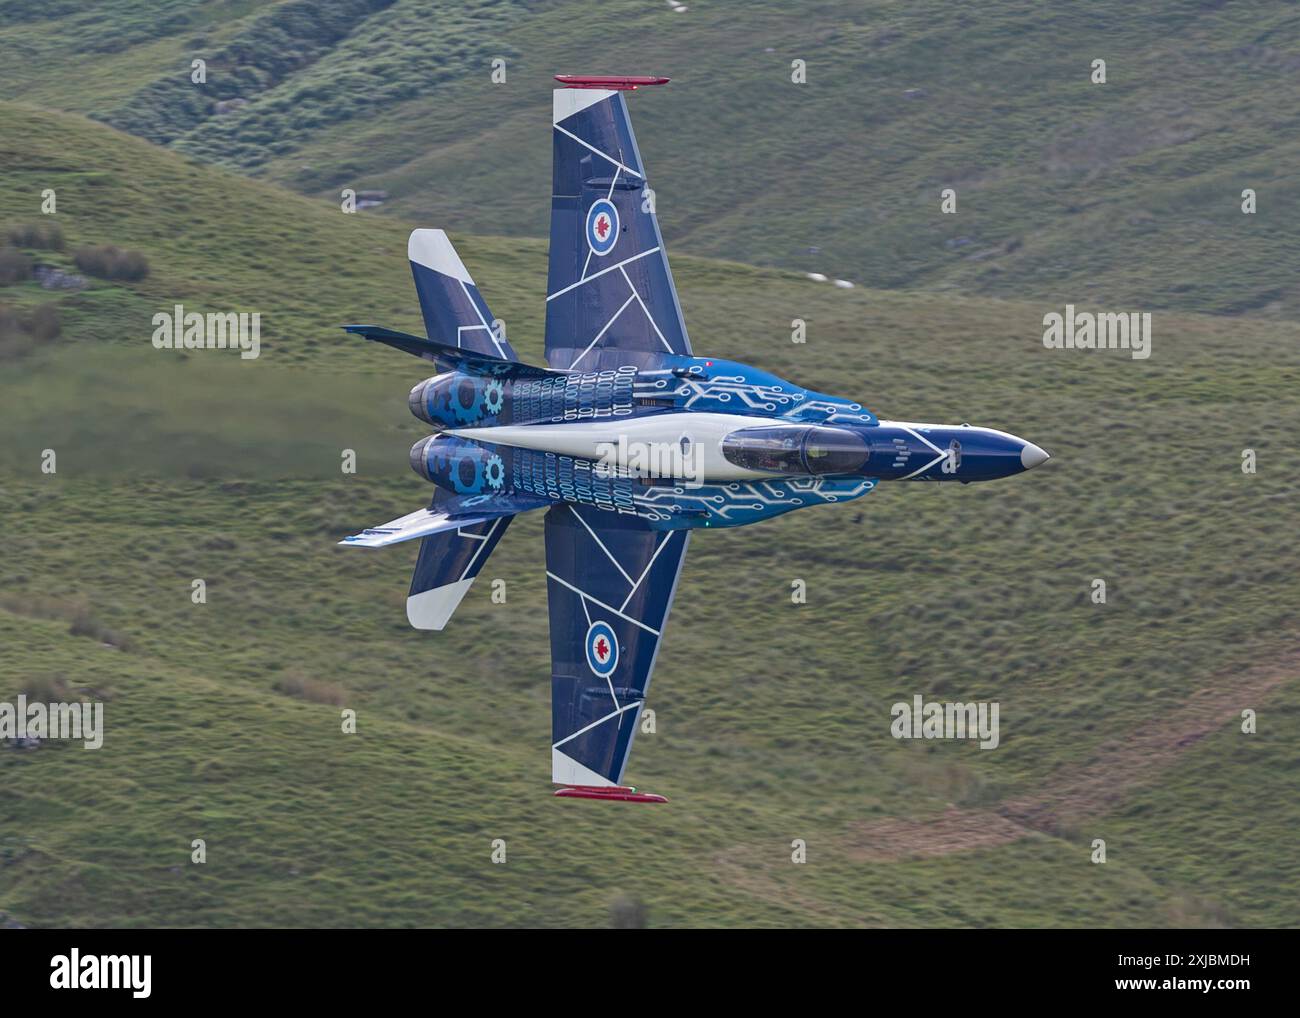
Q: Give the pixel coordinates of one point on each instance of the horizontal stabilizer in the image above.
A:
(453, 309)
(445, 570)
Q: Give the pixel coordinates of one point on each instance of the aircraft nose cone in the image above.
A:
(1031, 456)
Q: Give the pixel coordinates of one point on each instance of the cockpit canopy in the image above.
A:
(797, 449)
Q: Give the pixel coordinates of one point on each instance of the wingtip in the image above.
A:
(613, 793)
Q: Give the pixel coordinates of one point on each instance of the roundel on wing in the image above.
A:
(602, 226)
(602, 648)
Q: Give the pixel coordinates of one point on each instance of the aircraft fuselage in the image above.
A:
(694, 443)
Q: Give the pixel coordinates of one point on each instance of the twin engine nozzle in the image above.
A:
(458, 465)
(458, 400)
(418, 401)
(420, 455)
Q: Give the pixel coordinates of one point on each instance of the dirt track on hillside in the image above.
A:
(1095, 789)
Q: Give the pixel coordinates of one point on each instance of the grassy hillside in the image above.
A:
(1126, 193)
(1118, 721)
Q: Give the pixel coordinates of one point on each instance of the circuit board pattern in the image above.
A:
(740, 502)
(575, 397)
(727, 387)
(566, 479)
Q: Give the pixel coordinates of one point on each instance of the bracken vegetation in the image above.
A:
(111, 262)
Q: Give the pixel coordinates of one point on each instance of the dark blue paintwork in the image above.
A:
(456, 314)
(618, 351)
(581, 543)
(628, 298)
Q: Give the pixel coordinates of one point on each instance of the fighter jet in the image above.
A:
(628, 440)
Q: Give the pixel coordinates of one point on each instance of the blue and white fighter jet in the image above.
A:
(625, 438)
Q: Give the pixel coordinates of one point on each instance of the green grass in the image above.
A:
(773, 719)
(1127, 192)
(82, 56)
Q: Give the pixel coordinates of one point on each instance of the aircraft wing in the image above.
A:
(610, 583)
(610, 295)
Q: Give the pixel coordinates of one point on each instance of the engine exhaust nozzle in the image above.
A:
(417, 403)
(420, 457)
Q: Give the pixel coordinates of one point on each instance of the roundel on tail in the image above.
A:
(602, 226)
